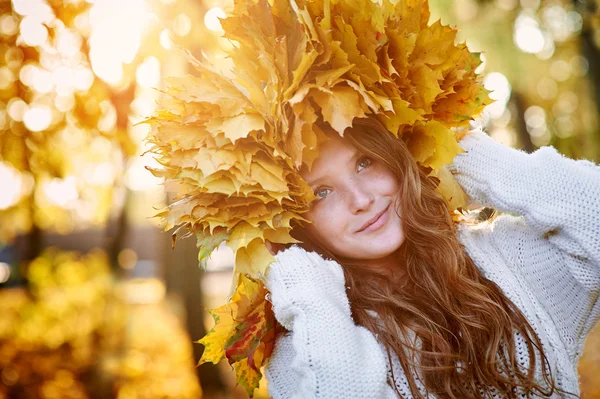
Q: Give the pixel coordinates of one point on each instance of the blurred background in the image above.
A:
(94, 303)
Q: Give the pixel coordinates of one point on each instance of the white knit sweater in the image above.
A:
(546, 260)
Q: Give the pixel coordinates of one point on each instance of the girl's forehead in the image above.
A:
(331, 152)
(335, 144)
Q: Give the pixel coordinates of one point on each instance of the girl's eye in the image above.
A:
(319, 191)
(364, 162)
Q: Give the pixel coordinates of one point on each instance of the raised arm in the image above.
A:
(325, 355)
(559, 197)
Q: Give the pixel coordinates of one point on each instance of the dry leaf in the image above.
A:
(244, 333)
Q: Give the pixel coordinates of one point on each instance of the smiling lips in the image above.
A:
(376, 222)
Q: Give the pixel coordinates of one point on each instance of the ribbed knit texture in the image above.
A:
(544, 253)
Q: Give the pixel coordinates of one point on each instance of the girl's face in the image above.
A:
(353, 190)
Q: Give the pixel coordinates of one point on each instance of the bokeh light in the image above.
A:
(211, 19)
(137, 177)
(15, 185)
(165, 39)
(507, 5)
(33, 32)
(37, 118)
(148, 73)
(500, 89)
(528, 35)
(547, 88)
(536, 121)
(8, 25)
(182, 25)
(4, 272)
(16, 108)
(110, 28)
(560, 70)
(61, 192)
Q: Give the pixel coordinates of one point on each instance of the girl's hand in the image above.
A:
(300, 279)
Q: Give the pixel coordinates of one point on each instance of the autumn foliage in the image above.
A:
(231, 143)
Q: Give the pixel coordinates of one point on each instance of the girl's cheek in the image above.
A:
(325, 221)
(317, 217)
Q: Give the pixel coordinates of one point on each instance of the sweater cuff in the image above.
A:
(484, 163)
(302, 281)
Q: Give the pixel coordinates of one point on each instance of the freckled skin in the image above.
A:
(351, 193)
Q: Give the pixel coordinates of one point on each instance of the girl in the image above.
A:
(386, 297)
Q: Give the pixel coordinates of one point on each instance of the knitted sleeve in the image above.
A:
(554, 239)
(325, 355)
(559, 197)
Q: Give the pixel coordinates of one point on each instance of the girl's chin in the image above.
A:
(372, 253)
(379, 244)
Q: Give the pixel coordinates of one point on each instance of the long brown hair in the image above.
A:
(464, 323)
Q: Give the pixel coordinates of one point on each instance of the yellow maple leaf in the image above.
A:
(244, 333)
(339, 106)
(237, 126)
(450, 190)
(446, 147)
(214, 341)
(251, 258)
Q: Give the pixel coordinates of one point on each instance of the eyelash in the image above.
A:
(357, 162)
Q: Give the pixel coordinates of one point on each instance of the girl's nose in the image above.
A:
(360, 199)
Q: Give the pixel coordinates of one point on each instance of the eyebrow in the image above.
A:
(352, 160)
